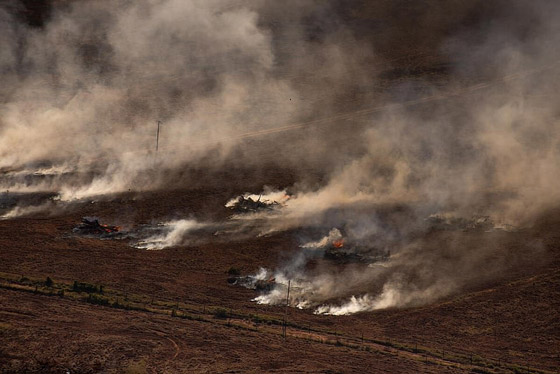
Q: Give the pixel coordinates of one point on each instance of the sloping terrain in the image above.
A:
(398, 101)
(511, 323)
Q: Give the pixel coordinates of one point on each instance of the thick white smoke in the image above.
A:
(171, 234)
(333, 236)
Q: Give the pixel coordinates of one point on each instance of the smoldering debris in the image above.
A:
(334, 238)
(355, 254)
(249, 83)
(90, 226)
(156, 236)
(273, 288)
(268, 200)
(262, 281)
(387, 256)
(247, 204)
(338, 248)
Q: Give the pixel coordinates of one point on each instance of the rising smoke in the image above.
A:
(469, 129)
(170, 234)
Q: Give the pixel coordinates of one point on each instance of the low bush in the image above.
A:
(49, 282)
(221, 313)
(86, 287)
(98, 299)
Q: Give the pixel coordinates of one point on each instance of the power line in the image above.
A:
(423, 100)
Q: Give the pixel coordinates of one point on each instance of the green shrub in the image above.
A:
(86, 287)
(221, 313)
(97, 299)
(49, 282)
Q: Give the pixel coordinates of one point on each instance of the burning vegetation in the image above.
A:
(338, 248)
(244, 205)
(269, 200)
(90, 226)
(256, 282)
(476, 140)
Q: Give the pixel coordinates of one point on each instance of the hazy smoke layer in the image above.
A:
(85, 91)
(412, 112)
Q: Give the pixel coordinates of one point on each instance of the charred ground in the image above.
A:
(173, 310)
(505, 325)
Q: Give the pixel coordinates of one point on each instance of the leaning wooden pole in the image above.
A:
(286, 309)
(157, 135)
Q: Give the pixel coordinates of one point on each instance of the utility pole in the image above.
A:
(157, 135)
(286, 309)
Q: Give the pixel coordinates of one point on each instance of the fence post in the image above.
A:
(362, 339)
(284, 327)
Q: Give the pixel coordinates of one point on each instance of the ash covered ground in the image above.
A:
(229, 186)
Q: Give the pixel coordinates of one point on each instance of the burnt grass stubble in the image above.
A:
(76, 303)
(86, 303)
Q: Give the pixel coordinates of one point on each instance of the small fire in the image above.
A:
(338, 243)
(110, 229)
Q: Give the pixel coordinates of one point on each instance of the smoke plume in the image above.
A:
(408, 112)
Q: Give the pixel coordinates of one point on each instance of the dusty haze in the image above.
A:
(305, 85)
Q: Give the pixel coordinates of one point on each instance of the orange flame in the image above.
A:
(109, 229)
(338, 243)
